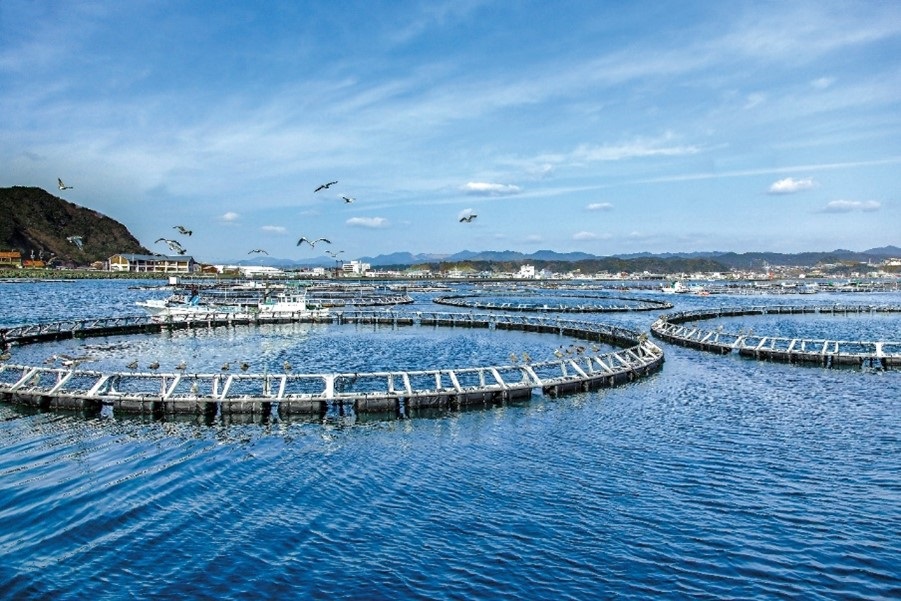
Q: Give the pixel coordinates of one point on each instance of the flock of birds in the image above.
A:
(573, 351)
(177, 247)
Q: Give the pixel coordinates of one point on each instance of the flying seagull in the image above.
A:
(333, 254)
(325, 186)
(348, 199)
(174, 246)
(312, 243)
(76, 240)
(468, 218)
(62, 186)
(182, 230)
(257, 250)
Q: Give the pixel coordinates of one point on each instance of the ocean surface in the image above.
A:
(715, 478)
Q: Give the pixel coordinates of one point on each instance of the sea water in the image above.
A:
(717, 477)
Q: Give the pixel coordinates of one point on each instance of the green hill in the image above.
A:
(34, 221)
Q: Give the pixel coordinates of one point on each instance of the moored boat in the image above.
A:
(294, 302)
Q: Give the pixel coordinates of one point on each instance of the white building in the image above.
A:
(355, 268)
(526, 272)
(151, 263)
(259, 270)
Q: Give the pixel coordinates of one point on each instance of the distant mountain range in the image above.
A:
(34, 221)
(724, 259)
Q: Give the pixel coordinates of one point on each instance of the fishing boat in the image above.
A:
(173, 305)
(293, 302)
(676, 288)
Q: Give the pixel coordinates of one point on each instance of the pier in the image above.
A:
(389, 392)
(681, 328)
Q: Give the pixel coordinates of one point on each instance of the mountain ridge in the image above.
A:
(37, 223)
(726, 259)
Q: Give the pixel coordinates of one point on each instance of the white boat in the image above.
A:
(173, 305)
(295, 302)
(676, 288)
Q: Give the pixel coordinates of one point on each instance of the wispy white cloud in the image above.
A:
(368, 222)
(489, 189)
(274, 229)
(754, 100)
(637, 148)
(821, 83)
(584, 235)
(790, 185)
(540, 171)
(585, 154)
(847, 206)
(763, 171)
(432, 15)
(599, 206)
(229, 217)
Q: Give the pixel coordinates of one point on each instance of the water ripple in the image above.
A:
(718, 477)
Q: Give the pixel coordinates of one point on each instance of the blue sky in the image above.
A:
(602, 127)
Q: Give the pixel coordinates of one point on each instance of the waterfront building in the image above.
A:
(10, 259)
(152, 263)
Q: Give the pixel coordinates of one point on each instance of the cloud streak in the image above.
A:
(848, 206)
(489, 189)
(374, 223)
(790, 185)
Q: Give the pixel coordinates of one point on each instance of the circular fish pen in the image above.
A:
(627, 303)
(398, 393)
(251, 294)
(681, 328)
